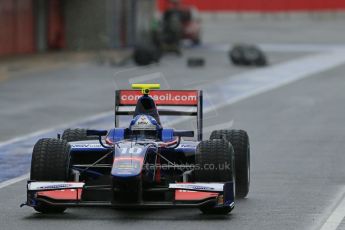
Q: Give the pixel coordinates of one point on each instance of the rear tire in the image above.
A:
(218, 153)
(77, 135)
(146, 54)
(240, 141)
(50, 162)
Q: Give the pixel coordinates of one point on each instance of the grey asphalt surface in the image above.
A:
(296, 133)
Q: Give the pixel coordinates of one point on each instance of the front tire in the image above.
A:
(50, 162)
(220, 154)
(240, 141)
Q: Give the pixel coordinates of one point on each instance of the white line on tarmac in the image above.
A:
(14, 180)
(338, 213)
(259, 81)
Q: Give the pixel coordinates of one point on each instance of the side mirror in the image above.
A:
(91, 132)
(183, 133)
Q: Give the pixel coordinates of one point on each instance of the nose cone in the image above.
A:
(128, 159)
(127, 167)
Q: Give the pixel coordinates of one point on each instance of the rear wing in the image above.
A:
(169, 103)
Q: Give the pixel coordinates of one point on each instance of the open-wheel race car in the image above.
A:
(143, 164)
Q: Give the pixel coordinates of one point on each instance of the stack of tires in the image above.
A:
(146, 54)
(225, 147)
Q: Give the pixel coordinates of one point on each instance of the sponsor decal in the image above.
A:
(56, 186)
(143, 123)
(208, 187)
(81, 146)
(126, 165)
(161, 97)
(53, 185)
(196, 187)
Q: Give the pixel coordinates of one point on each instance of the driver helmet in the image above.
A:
(144, 127)
(144, 122)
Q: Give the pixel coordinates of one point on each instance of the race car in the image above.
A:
(144, 163)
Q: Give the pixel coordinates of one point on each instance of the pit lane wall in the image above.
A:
(260, 5)
(16, 27)
(30, 26)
